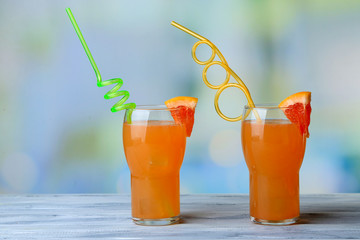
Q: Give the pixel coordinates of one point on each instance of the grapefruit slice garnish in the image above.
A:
(183, 111)
(297, 109)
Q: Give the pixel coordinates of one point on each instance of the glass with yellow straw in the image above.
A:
(272, 144)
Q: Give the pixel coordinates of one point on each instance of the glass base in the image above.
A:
(156, 222)
(274, 222)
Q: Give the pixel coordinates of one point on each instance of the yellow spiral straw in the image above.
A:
(114, 92)
(229, 72)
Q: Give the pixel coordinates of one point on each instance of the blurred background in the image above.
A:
(57, 134)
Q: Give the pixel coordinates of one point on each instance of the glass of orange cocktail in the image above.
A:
(154, 146)
(154, 139)
(273, 148)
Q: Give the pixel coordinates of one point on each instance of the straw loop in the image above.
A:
(193, 52)
(216, 101)
(204, 75)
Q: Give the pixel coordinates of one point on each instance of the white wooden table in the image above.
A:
(205, 216)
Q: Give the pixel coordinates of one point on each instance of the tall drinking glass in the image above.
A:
(154, 148)
(273, 149)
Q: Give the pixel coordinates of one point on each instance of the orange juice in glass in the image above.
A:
(154, 144)
(273, 148)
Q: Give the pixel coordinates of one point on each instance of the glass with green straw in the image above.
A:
(155, 159)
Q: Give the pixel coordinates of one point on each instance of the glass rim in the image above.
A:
(153, 107)
(270, 106)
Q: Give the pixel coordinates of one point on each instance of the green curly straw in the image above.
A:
(100, 83)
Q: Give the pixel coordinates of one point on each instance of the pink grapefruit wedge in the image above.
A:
(185, 110)
(297, 109)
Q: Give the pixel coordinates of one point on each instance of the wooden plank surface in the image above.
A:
(204, 216)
